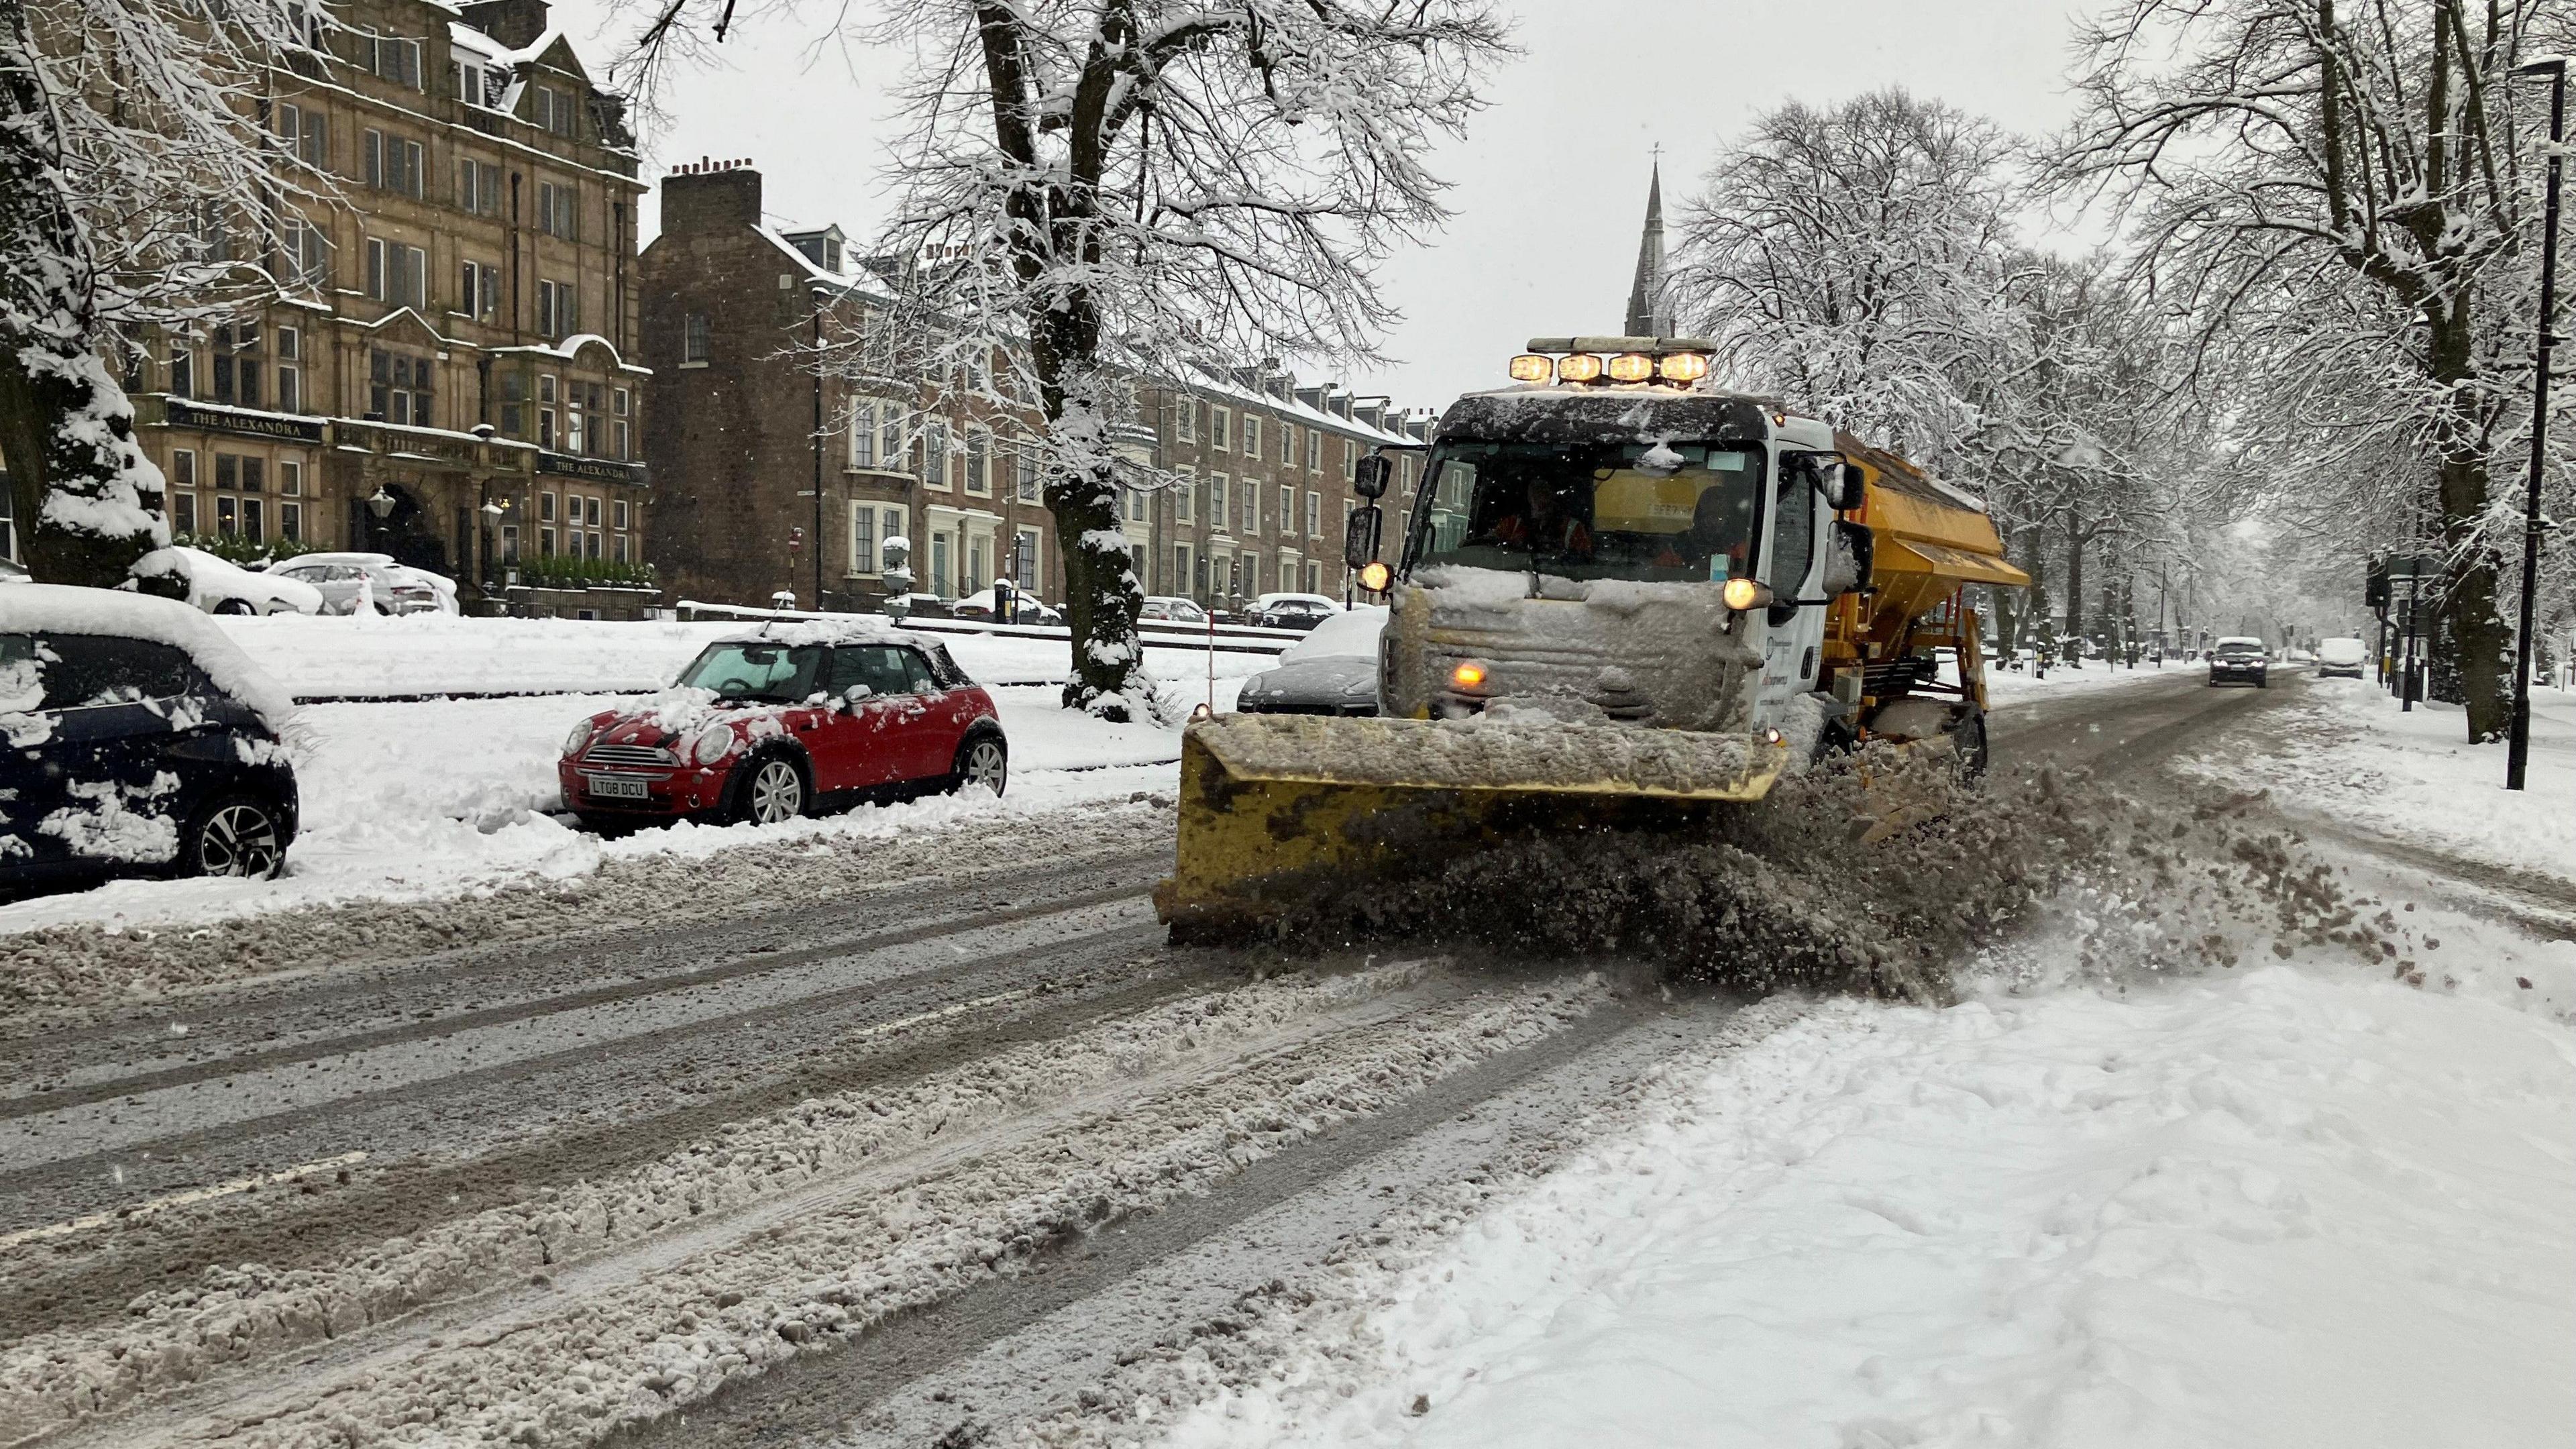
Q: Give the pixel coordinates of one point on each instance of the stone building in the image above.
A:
(444, 375)
(1262, 491)
(773, 479)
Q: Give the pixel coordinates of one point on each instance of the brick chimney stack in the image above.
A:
(706, 196)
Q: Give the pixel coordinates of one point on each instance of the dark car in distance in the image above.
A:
(783, 721)
(135, 739)
(2240, 661)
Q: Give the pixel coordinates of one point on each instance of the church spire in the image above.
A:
(1646, 316)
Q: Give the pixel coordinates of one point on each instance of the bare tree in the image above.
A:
(1093, 190)
(2336, 191)
(132, 173)
(1859, 260)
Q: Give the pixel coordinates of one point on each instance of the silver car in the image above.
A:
(387, 587)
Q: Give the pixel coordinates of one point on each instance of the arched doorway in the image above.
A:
(405, 531)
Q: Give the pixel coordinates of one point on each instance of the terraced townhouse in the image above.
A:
(445, 373)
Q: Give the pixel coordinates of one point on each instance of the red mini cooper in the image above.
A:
(769, 725)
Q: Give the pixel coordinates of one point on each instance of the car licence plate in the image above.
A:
(619, 787)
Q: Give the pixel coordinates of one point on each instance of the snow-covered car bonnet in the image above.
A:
(65, 609)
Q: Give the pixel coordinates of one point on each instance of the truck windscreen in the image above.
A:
(1634, 510)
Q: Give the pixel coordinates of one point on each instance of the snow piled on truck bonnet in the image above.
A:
(63, 609)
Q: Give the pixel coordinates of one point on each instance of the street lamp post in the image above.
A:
(2518, 752)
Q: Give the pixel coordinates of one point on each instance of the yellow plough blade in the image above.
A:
(1275, 809)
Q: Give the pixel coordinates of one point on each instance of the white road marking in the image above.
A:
(178, 1199)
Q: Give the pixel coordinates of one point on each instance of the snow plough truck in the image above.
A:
(1623, 598)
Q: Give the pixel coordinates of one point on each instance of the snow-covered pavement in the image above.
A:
(2293, 1206)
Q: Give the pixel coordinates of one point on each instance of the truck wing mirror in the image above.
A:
(1850, 550)
(1359, 537)
(1370, 475)
(1845, 486)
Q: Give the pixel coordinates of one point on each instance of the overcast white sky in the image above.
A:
(1551, 182)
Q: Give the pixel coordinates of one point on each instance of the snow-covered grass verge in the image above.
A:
(817, 1222)
(428, 798)
(414, 654)
(2282, 1207)
(2006, 686)
(2352, 754)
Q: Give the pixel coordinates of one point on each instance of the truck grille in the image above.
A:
(629, 757)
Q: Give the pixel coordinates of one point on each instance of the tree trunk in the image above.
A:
(87, 502)
(1102, 598)
(2074, 578)
(2473, 646)
(2035, 563)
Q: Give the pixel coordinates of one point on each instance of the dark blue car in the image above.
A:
(135, 739)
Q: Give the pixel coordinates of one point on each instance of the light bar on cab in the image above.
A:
(1628, 361)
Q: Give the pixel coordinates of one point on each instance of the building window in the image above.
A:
(183, 468)
(1220, 422)
(478, 186)
(183, 370)
(545, 410)
(977, 547)
(1027, 563)
(391, 163)
(1314, 577)
(514, 403)
(290, 522)
(894, 451)
(307, 253)
(1185, 419)
(1287, 514)
(1025, 465)
(590, 545)
(398, 389)
(550, 109)
(397, 274)
(1250, 522)
(478, 290)
(305, 132)
(509, 543)
(979, 479)
(1220, 499)
(183, 510)
(1314, 515)
(558, 310)
(545, 543)
(1314, 451)
(1251, 435)
(290, 369)
(238, 365)
(693, 340)
(863, 435)
(863, 538)
(1181, 582)
(390, 57)
(546, 510)
(590, 515)
(934, 455)
(1182, 497)
(558, 210)
(290, 479)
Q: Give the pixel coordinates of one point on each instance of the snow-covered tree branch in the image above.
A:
(135, 189)
(1098, 190)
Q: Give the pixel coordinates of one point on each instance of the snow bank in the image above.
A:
(2278, 1208)
(414, 654)
(2353, 754)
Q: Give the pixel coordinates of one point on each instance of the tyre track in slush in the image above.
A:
(387, 1198)
(421, 993)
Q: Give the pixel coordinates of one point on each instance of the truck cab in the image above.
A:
(1649, 552)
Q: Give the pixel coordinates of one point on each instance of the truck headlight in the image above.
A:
(1743, 594)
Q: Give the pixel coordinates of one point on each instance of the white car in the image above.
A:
(979, 605)
(222, 587)
(11, 573)
(1173, 610)
(2341, 656)
(384, 586)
